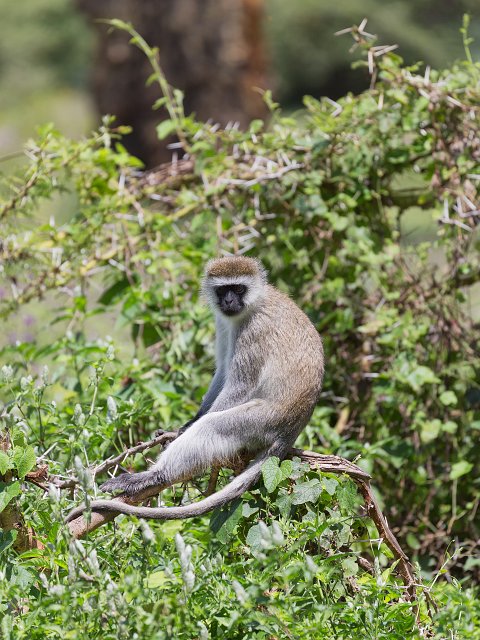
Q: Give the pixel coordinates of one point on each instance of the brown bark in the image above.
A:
(210, 49)
(11, 517)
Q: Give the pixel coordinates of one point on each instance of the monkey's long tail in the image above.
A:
(234, 489)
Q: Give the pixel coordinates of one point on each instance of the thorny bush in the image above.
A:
(367, 212)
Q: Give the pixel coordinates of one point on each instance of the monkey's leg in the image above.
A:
(215, 438)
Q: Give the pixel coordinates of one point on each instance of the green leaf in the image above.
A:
(284, 504)
(248, 510)
(286, 468)
(7, 538)
(430, 430)
(156, 579)
(224, 521)
(166, 128)
(448, 398)
(349, 566)
(150, 334)
(307, 492)
(420, 376)
(171, 528)
(450, 427)
(460, 469)
(24, 460)
(113, 293)
(413, 541)
(22, 578)
(18, 437)
(347, 496)
(272, 474)
(330, 485)
(8, 491)
(254, 536)
(5, 463)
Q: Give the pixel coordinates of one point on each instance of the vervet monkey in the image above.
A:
(269, 371)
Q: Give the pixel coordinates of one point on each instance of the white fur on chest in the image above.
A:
(226, 338)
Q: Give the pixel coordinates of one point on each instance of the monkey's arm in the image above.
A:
(209, 398)
(240, 388)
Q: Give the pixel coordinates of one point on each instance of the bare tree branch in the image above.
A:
(79, 526)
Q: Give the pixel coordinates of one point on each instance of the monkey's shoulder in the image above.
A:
(279, 320)
(283, 309)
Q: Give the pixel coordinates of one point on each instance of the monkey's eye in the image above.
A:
(239, 289)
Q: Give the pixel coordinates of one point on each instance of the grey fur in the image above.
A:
(269, 371)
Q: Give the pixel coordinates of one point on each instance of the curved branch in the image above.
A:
(80, 525)
(161, 437)
(102, 510)
(374, 512)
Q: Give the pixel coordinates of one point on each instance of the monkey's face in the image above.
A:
(231, 298)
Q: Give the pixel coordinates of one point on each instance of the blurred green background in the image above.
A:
(47, 53)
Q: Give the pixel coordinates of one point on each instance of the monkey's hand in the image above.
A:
(130, 484)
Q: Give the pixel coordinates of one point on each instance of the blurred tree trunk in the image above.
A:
(211, 49)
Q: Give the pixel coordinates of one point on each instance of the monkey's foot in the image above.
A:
(132, 483)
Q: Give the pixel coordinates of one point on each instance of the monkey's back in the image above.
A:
(284, 352)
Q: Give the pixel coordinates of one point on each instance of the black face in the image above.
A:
(230, 298)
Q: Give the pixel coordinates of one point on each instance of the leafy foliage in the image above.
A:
(327, 202)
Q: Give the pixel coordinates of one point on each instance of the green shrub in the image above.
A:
(331, 202)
